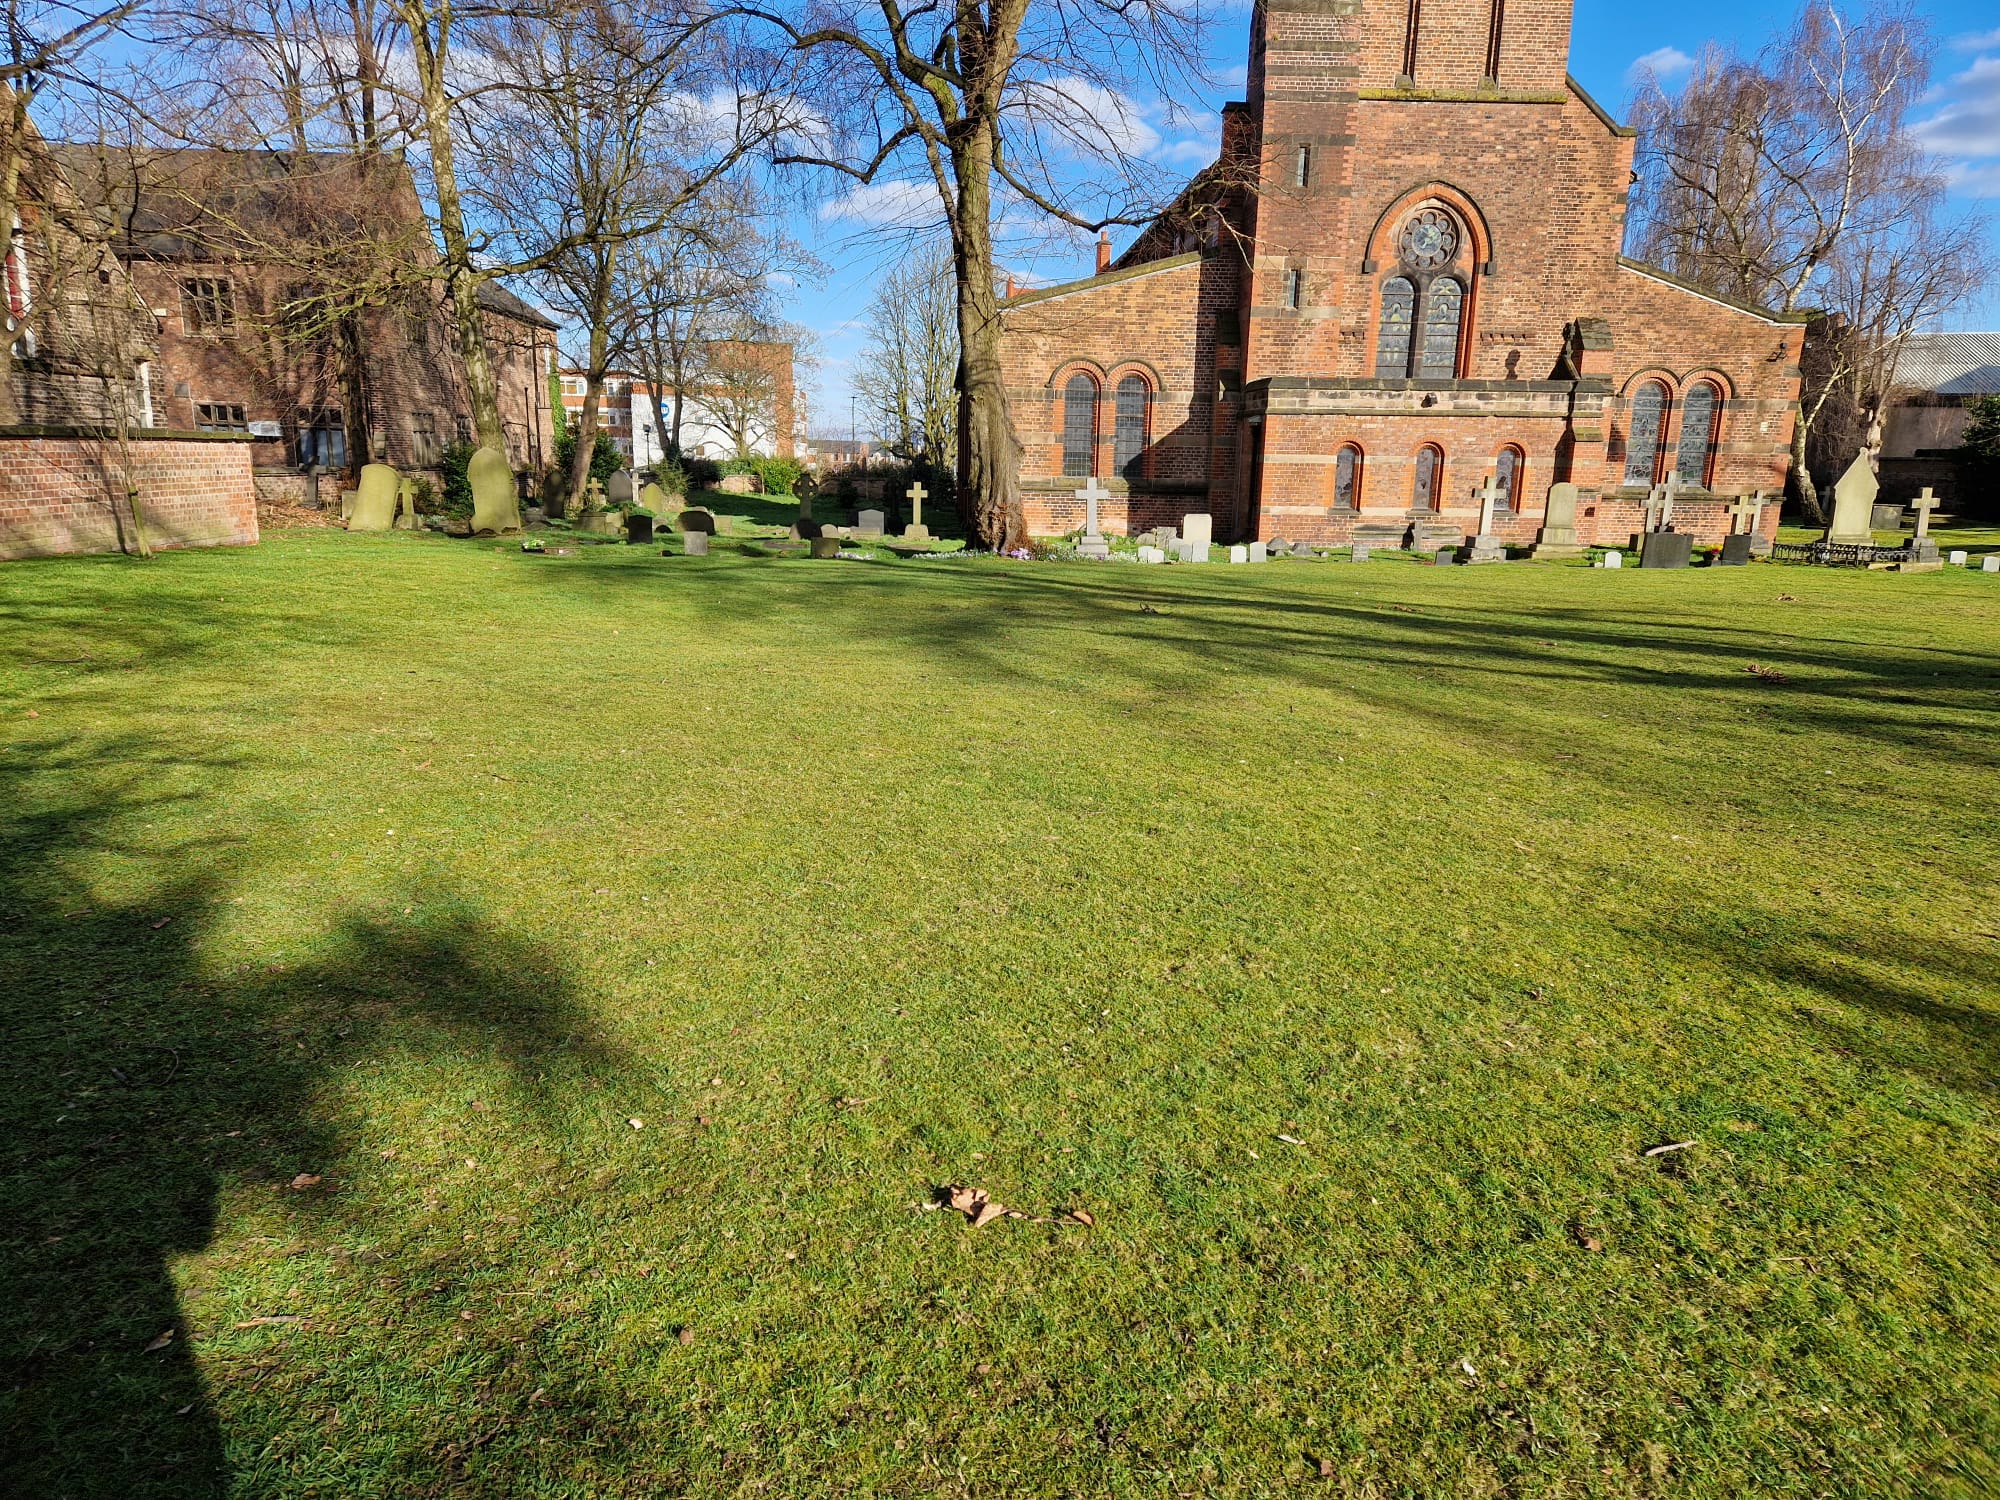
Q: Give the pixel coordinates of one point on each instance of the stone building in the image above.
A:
(1401, 278)
(229, 249)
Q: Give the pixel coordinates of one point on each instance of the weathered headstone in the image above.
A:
(1259, 552)
(1958, 559)
(619, 490)
(1151, 554)
(1558, 535)
(496, 507)
(1092, 543)
(653, 498)
(1991, 564)
(916, 531)
(407, 518)
(694, 543)
(1485, 546)
(1735, 550)
(1612, 559)
(1444, 557)
(1277, 546)
(1198, 530)
(1166, 536)
(638, 528)
(1853, 505)
(1239, 553)
(1359, 552)
(869, 522)
(694, 518)
(1760, 545)
(826, 546)
(375, 501)
(1666, 549)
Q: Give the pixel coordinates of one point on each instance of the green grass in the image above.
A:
(423, 868)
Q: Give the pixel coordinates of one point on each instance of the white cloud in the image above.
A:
(1662, 64)
(1966, 131)
(1192, 154)
(893, 205)
(1977, 41)
(1095, 118)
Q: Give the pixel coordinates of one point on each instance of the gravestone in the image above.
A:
(639, 528)
(695, 519)
(1923, 550)
(619, 490)
(375, 501)
(1760, 545)
(1191, 552)
(694, 543)
(1612, 559)
(653, 498)
(1198, 531)
(1359, 552)
(1885, 515)
(826, 546)
(1558, 534)
(869, 523)
(1485, 546)
(1991, 564)
(347, 503)
(1445, 557)
(916, 531)
(805, 529)
(1958, 559)
(1092, 543)
(1152, 555)
(1239, 553)
(407, 518)
(1666, 549)
(496, 506)
(1166, 536)
(1735, 550)
(1853, 505)
(1259, 552)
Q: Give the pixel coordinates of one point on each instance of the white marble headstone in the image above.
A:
(1614, 559)
(1198, 529)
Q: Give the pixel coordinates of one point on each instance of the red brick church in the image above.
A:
(1402, 278)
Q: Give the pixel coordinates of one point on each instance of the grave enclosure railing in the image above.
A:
(1838, 554)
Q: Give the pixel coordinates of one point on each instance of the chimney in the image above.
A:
(1103, 251)
(1010, 285)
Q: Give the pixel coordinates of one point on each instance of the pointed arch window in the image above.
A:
(1392, 343)
(1347, 478)
(1129, 425)
(1645, 417)
(1697, 434)
(1444, 303)
(1429, 477)
(1507, 478)
(1079, 442)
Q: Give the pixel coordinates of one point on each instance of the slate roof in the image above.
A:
(1951, 364)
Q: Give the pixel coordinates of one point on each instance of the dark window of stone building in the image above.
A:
(1129, 433)
(1496, 23)
(213, 416)
(1697, 434)
(1347, 478)
(322, 439)
(208, 305)
(1645, 417)
(1302, 171)
(423, 439)
(1392, 344)
(1444, 301)
(462, 425)
(1507, 479)
(1294, 286)
(1228, 328)
(1079, 426)
(1430, 478)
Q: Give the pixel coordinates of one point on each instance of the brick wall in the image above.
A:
(64, 493)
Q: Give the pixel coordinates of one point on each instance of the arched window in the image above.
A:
(1129, 431)
(1645, 416)
(1507, 478)
(1347, 478)
(1392, 343)
(1444, 301)
(1697, 434)
(1430, 478)
(1080, 426)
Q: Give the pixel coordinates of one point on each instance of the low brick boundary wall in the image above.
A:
(63, 491)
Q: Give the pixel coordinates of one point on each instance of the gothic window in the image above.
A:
(1430, 478)
(1129, 431)
(1079, 426)
(1392, 342)
(1507, 478)
(1645, 417)
(1697, 434)
(1444, 301)
(1429, 240)
(1347, 478)
(219, 416)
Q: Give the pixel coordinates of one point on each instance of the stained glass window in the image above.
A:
(1392, 345)
(1507, 478)
(1347, 478)
(1642, 439)
(1429, 463)
(1129, 435)
(1442, 305)
(1697, 433)
(1079, 425)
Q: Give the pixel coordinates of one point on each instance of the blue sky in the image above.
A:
(859, 234)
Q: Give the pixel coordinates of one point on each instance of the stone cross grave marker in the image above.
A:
(1093, 543)
(916, 531)
(1923, 505)
(1485, 545)
(1745, 509)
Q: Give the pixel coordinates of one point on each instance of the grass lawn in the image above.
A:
(488, 1025)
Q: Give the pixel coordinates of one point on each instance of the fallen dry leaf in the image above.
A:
(1591, 1244)
(686, 1334)
(1084, 1217)
(1788, 598)
(161, 1342)
(33, 715)
(156, 926)
(988, 1212)
(1766, 674)
(636, 1123)
(1670, 1146)
(1291, 1140)
(267, 1322)
(1326, 1468)
(305, 1180)
(1466, 1365)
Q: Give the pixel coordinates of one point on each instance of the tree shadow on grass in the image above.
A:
(140, 1081)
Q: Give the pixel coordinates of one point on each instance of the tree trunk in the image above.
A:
(13, 147)
(354, 394)
(989, 453)
(1802, 479)
(462, 278)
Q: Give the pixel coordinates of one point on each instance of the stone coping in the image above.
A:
(136, 435)
(1367, 383)
(1091, 284)
(1064, 486)
(1644, 269)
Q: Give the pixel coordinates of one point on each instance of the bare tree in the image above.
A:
(1020, 100)
(1793, 181)
(746, 380)
(909, 362)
